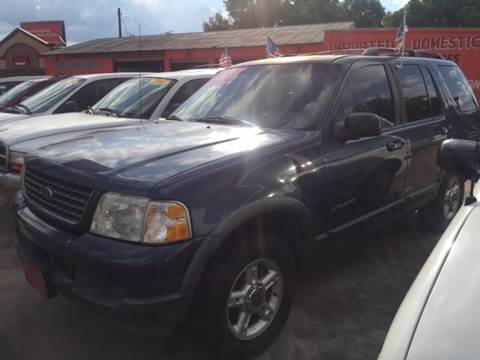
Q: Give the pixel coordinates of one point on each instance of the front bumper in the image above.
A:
(10, 180)
(129, 282)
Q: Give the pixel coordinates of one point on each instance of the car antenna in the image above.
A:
(140, 63)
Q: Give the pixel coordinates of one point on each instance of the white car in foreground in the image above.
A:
(440, 316)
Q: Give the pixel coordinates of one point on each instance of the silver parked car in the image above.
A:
(73, 94)
(8, 83)
(150, 97)
(438, 319)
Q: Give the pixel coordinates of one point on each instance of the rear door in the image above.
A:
(368, 173)
(424, 118)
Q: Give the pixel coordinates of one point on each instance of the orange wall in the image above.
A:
(78, 64)
(457, 44)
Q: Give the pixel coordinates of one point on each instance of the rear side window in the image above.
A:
(182, 95)
(459, 87)
(368, 90)
(435, 102)
(414, 93)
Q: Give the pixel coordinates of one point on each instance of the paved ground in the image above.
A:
(343, 308)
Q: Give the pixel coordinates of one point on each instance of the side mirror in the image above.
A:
(460, 157)
(360, 125)
(69, 106)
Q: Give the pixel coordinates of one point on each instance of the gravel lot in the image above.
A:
(343, 307)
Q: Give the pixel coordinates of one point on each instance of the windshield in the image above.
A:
(14, 92)
(136, 98)
(45, 99)
(270, 96)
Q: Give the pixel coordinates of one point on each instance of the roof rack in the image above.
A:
(397, 52)
(378, 51)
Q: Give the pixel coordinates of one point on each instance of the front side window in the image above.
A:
(414, 92)
(368, 90)
(90, 94)
(182, 95)
(136, 98)
(271, 96)
(45, 99)
(459, 87)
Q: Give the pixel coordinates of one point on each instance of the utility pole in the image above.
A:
(119, 13)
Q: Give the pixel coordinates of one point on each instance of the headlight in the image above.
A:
(140, 220)
(15, 161)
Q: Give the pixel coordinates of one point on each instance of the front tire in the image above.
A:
(250, 297)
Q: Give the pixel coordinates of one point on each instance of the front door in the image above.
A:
(368, 173)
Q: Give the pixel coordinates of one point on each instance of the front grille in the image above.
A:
(3, 155)
(58, 198)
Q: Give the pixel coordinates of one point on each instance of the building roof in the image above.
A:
(282, 35)
(23, 31)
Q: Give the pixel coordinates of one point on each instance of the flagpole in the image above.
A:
(404, 40)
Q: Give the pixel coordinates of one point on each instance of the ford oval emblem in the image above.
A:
(47, 194)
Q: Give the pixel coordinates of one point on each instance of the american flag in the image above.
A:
(272, 49)
(402, 32)
(225, 59)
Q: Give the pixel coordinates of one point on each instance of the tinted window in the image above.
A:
(270, 96)
(91, 93)
(459, 87)
(182, 95)
(368, 90)
(435, 103)
(414, 93)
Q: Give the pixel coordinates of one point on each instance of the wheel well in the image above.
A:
(283, 224)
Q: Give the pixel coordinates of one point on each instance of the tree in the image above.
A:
(365, 13)
(437, 13)
(217, 22)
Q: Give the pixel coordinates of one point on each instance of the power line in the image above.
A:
(110, 27)
(128, 18)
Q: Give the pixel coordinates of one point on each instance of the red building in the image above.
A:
(180, 51)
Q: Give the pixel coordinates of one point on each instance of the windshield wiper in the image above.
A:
(225, 120)
(111, 111)
(24, 108)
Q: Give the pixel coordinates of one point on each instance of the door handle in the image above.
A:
(395, 145)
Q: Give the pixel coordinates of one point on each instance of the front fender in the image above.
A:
(234, 220)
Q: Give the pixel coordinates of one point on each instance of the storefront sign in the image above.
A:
(21, 60)
(52, 32)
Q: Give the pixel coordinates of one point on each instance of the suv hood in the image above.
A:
(8, 117)
(448, 325)
(156, 151)
(42, 126)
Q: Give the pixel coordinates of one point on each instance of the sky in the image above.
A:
(87, 19)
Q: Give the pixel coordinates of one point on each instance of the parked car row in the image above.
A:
(146, 97)
(204, 215)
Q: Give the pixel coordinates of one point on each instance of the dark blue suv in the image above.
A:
(206, 215)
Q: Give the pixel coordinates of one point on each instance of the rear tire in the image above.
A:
(446, 204)
(249, 296)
